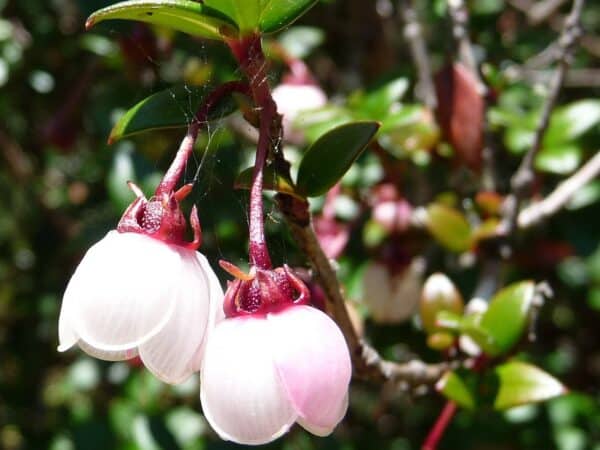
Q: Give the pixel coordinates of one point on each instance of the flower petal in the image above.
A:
(313, 361)
(170, 354)
(122, 291)
(120, 355)
(216, 314)
(242, 396)
(67, 337)
(325, 431)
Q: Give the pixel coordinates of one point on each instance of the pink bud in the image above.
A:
(393, 216)
(333, 235)
(263, 372)
(133, 294)
(291, 100)
(390, 209)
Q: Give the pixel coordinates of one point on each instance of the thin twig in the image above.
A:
(574, 78)
(460, 20)
(541, 11)
(413, 33)
(523, 177)
(538, 212)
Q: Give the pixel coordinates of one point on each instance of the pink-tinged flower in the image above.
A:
(293, 99)
(390, 210)
(392, 295)
(142, 291)
(273, 362)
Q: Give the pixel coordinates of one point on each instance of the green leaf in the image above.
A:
(448, 320)
(522, 383)
(585, 196)
(272, 181)
(454, 388)
(560, 160)
(506, 318)
(171, 108)
(278, 14)
(194, 18)
(377, 103)
(449, 226)
(299, 41)
(328, 159)
(244, 13)
(571, 121)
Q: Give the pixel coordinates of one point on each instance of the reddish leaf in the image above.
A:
(460, 113)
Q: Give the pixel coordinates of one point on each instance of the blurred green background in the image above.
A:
(62, 188)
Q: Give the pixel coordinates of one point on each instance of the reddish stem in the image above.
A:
(248, 52)
(442, 422)
(171, 178)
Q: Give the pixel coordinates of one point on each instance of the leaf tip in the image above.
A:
(90, 22)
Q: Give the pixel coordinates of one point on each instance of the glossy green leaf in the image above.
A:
(266, 16)
(244, 13)
(506, 318)
(449, 227)
(586, 196)
(452, 386)
(377, 103)
(448, 320)
(328, 159)
(171, 108)
(277, 14)
(194, 18)
(272, 181)
(522, 383)
(299, 41)
(560, 160)
(571, 121)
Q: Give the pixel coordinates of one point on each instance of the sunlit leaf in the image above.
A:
(194, 18)
(571, 121)
(522, 383)
(171, 108)
(244, 13)
(328, 159)
(449, 227)
(560, 160)
(272, 181)
(299, 41)
(277, 14)
(506, 318)
(377, 103)
(452, 386)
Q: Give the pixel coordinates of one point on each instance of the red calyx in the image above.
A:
(262, 290)
(161, 217)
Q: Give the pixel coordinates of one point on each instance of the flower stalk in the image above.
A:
(442, 422)
(248, 52)
(186, 148)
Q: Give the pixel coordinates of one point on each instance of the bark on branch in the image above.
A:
(524, 176)
(538, 212)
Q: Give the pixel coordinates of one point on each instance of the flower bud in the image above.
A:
(439, 294)
(392, 295)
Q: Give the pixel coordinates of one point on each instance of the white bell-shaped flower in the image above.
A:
(263, 373)
(134, 295)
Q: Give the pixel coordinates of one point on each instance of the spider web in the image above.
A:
(200, 168)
